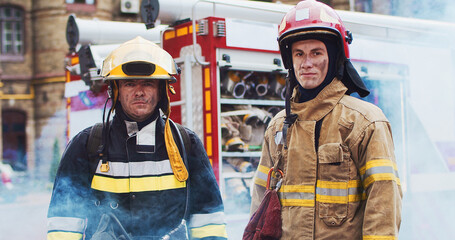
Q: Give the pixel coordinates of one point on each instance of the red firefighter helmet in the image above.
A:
(310, 18)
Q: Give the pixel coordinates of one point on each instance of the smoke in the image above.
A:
(53, 129)
(441, 10)
(424, 135)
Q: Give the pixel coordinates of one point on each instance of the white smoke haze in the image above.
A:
(425, 137)
(426, 9)
(422, 114)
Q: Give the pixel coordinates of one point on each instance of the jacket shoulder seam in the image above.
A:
(369, 111)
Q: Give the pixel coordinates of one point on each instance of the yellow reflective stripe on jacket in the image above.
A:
(142, 184)
(208, 225)
(372, 237)
(339, 192)
(261, 175)
(297, 195)
(64, 236)
(379, 170)
(218, 230)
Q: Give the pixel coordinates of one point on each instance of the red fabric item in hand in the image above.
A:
(265, 224)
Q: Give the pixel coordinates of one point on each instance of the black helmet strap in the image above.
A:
(102, 150)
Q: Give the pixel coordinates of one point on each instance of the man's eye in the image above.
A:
(149, 84)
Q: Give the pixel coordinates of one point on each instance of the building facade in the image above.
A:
(32, 76)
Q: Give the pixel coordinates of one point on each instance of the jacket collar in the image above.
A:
(119, 123)
(321, 105)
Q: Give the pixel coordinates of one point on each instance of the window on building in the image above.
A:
(90, 2)
(80, 6)
(12, 30)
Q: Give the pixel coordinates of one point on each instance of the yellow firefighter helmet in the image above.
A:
(139, 59)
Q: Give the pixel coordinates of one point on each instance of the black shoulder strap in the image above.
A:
(93, 144)
(185, 138)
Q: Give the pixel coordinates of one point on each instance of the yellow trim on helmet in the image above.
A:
(159, 73)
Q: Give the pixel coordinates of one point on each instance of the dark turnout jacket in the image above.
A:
(140, 188)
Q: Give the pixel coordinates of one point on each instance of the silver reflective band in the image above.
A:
(199, 220)
(332, 192)
(377, 170)
(296, 195)
(138, 169)
(261, 175)
(67, 224)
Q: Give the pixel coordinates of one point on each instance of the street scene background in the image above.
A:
(420, 104)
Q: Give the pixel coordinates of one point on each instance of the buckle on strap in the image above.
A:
(269, 176)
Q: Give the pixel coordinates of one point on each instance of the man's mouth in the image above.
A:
(308, 74)
(139, 102)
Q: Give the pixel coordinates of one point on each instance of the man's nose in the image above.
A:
(307, 62)
(139, 91)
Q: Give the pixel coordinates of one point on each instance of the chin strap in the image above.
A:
(178, 167)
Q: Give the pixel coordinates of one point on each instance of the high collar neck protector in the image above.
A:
(122, 116)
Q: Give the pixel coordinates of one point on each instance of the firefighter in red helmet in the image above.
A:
(336, 151)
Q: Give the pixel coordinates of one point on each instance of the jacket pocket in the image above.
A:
(332, 189)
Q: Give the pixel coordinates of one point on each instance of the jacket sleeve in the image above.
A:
(260, 177)
(379, 175)
(206, 218)
(67, 212)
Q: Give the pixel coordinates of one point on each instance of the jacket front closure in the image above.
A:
(140, 184)
(301, 162)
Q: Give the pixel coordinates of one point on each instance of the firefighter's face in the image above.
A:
(139, 98)
(310, 60)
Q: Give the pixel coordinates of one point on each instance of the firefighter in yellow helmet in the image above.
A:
(340, 177)
(146, 177)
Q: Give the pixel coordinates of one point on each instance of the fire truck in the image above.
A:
(232, 84)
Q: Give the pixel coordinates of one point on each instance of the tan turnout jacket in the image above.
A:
(349, 188)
